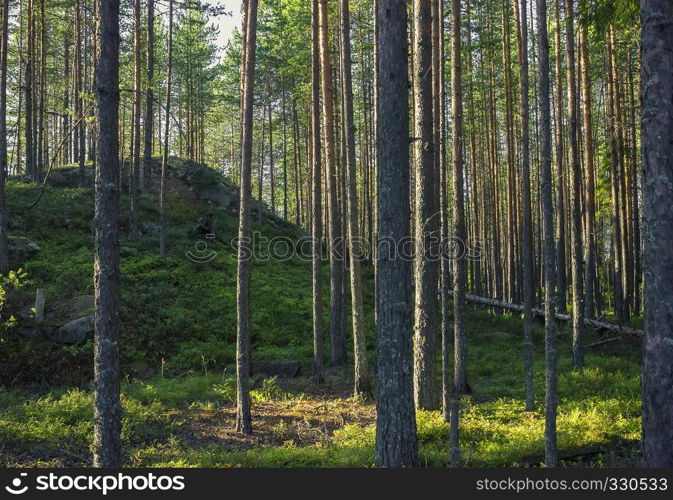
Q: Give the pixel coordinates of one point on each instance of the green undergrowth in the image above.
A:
(178, 349)
(598, 423)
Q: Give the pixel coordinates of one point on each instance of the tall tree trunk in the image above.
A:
(79, 88)
(426, 216)
(149, 101)
(439, 113)
(243, 418)
(657, 154)
(576, 213)
(28, 85)
(616, 247)
(460, 386)
(107, 405)
(40, 140)
(356, 253)
(272, 168)
(560, 167)
(396, 443)
(528, 263)
(551, 398)
(336, 332)
(590, 182)
(4, 261)
(284, 119)
(134, 187)
(167, 128)
(316, 215)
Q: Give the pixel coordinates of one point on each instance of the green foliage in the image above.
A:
(8, 284)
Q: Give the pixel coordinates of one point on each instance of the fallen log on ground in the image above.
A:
(590, 323)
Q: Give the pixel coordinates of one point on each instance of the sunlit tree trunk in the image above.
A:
(396, 443)
(107, 405)
(337, 334)
(316, 222)
(426, 214)
(459, 267)
(551, 398)
(243, 417)
(657, 154)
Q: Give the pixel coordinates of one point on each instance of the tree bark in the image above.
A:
(657, 155)
(243, 417)
(590, 182)
(134, 187)
(460, 386)
(316, 223)
(107, 405)
(551, 397)
(164, 159)
(426, 215)
(528, 264)
(356, 253)
(149, 100)
(336, 332)
(4, 260)
(576, 213)
(396, 443)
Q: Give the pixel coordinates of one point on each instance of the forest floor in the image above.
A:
(178, 337)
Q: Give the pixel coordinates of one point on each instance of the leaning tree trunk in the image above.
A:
(316, 223)
(551, 398)
(657, 154)
(396, 443)
(107, 405)
(243, 418)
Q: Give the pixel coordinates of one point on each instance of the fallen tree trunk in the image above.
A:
(590, 323)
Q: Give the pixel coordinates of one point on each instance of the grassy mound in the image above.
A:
(178, 333)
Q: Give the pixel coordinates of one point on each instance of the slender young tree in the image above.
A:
(551, 397)
(167, 129)
(439, 112)
(396, 442)
(243, 418)
(361, 379)
(316, 222)
(4, 258)
(107, 404)
(134, 189)
(79, 98)
(656, 18)
(426, 214)
(336, 333)
(528, 263)
(149, 101)
(576, 212)
(589, 176)
(28, 86)
(460, 236)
